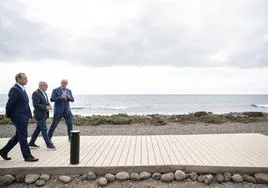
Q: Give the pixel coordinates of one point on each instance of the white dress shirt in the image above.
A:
(21, 86)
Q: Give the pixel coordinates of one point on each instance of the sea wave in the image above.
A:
(260, 105)
(109, 107)
(96, 107)
(78, 107)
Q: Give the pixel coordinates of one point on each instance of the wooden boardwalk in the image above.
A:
(162, 153)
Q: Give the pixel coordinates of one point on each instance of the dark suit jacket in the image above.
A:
(61, 105)
(17, 107)
(40, 104)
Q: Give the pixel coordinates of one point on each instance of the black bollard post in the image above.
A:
(75, 146)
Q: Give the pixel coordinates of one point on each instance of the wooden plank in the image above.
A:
(94, 150)
(87, 149)
(105, 153)
(163, 151)
(158, 154)
(189, 149)
(197, 148)
(125, 151)
(213, 149)
(118, 153)
(151, 153)
(144, 152)
(170, 144)
(131, 151)
(245, 147)
(181, 151)
(85, 144)
(113, 149)
(99, 152)
(137, 156)
(169, 150)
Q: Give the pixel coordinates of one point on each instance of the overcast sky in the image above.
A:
(136, 46)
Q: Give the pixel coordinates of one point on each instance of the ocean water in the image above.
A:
(161, 104)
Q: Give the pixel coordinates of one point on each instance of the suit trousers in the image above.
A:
(56, 119)
(21, 137)
(41, 127)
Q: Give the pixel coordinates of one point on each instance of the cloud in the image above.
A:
(24, 39)
(177, 33)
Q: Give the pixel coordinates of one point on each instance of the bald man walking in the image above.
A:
(41, 113)
(61, 96)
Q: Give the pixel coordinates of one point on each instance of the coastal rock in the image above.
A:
(84, 177)
(31, 178)
(91, 176)
(134, 176)
(219, 178)
(6, 180)
(227, 176)
(209, 179)
(65, 179)
(262, 178)
(20, 178)
(145, 175)
(122, 176)
(110, 177)
(156, 176)
(237, 178)
(102, 181)
(248, 178)
(179, 175)
(40, 183)
(193, 176)
(167, 177)
(201, 178)
(44, 177)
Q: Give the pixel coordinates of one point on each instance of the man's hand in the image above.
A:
(63, 96)
(49, 107)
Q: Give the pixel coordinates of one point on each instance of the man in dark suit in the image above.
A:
(18, 110)
(41, 113)
(61, 97)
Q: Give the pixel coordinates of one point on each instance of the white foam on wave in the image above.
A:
(109, 107)
(260, 105)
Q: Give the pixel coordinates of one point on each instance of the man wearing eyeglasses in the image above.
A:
(61, 96)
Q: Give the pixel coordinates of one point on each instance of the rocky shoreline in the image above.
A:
(161, 119)
(108, 180)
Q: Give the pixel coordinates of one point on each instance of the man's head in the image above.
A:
(43, 85)
(21, 78)
(64, 83)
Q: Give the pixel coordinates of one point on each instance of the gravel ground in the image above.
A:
(142, 129)
(143, 184)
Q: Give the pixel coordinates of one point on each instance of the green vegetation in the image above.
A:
(160, 120)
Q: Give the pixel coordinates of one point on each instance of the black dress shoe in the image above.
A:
(33, 145)
(4, 155)
(31, 159)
